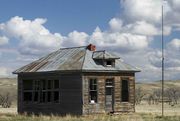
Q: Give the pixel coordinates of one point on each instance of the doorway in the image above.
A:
(109, 97)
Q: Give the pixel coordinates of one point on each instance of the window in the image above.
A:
(41, 91)
(109, 63)
(125, 91)
(93, 90)
(28, 90)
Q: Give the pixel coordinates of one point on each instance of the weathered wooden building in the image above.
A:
(78, 81)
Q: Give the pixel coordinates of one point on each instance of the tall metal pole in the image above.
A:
(162, 63)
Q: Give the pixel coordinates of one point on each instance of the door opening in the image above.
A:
(109, 98)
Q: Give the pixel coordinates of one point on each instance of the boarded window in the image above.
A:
(125, 91)
(93, 90)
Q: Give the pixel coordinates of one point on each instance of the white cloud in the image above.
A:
(3, 40)
(33, 36)
(119, 41)
(143, 28)
(138, 10)
(174, 45)
(76, 38)
(116, 24)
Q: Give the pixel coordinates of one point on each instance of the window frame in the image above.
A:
(89, 90)
(126, 91)
(40, 88)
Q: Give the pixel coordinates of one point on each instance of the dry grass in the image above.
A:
(143, 113)
(103, 117)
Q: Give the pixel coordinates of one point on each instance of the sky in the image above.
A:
(30, 29)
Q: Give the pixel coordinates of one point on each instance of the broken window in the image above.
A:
(93, 90)
(125, 91)
(41, 91)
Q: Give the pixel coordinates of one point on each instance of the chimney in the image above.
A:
(91, 47)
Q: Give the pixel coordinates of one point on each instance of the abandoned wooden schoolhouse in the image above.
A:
(77, 80)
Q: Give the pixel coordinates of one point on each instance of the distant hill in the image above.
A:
(150, 86)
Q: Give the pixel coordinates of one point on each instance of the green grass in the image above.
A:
(102, 117)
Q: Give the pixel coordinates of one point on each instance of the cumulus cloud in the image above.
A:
(116, 24)
(174, 45)
(3, 40)
(138, 10)
(172, 59)
(76, 38)
(33, 36)
(119, 41)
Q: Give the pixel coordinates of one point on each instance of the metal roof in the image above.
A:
(70, 59)
(104, 55)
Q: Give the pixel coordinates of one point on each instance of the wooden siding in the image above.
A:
(99, 107)
(70, 95)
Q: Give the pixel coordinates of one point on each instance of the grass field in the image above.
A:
(144, 112)
(102, 117)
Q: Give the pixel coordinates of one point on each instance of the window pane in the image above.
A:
(56, 84)
(27, 84)
(49, 84)
(56, 96)
(43, 97)
(37, 85)
(43, 84)
(48, 96)
(125, 91)
(36, 96)
(93, 96)
(27, 96)
(93, 90)
(108, 63)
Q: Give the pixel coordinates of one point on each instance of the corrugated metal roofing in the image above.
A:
(78, 58)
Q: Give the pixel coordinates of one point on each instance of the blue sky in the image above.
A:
(63, 15)
(130, 28)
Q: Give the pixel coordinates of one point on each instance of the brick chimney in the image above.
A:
(91, 47)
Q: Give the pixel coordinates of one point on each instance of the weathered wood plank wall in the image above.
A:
(70, 95)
